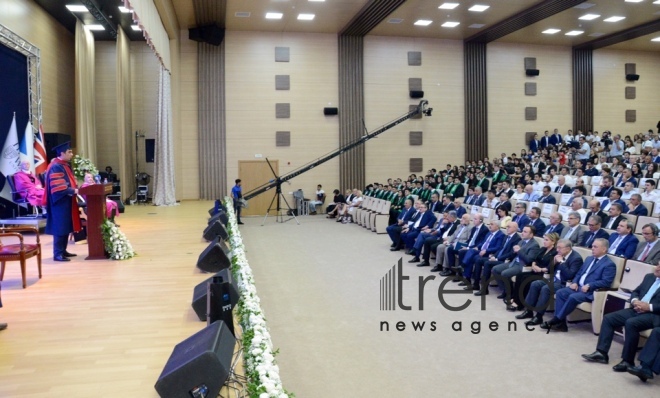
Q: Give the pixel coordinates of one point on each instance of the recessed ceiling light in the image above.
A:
(477, 25)
(478, 8)
(656, 39)
(584, 6)
(450, 24)
(136, 27)
(596, 34)
(125, 10)
(94, 27)
(551, 31)
(306, 17)
(448, 6)
(656, 2)
(395, 20)
(274, 15)
(589, 17)
(423, 22)
(574, 33)
(634, 1)
(317, 1)
(76, 8)
(614, 19)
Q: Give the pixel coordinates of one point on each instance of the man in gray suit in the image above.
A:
(649, 250)
(574, 230)
(526, 251)
(460, 236)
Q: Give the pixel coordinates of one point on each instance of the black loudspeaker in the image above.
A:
(201, 362)
(632, 77)
(211, 34)
(150, 150)
(199, 303)
(215, 229)
(532, 72)
(215, 257)
(416, 94)
(219, 304)
(220, 216)
(330, 111)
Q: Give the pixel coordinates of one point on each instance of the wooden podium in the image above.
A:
(95, 196)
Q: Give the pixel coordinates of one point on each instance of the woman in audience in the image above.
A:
(520, 192)
(629, 146)
(349, 211)
(544, 261)
(503, 216)
(338, 199)
(651, 169)
(636, 171)
(524, 156)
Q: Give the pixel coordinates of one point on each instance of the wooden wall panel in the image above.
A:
(107, 144)
(188, 117)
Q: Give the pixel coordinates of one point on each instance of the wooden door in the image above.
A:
(253, 174)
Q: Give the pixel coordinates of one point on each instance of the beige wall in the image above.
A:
(107, 145)
(33, 24)
(251, 99)
(610, 104)
(386, 74)
(189, 138)
(507, 99)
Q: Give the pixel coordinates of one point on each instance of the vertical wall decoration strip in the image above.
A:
(476, 101)
(351, 110)
(212, 122)
(583, 90)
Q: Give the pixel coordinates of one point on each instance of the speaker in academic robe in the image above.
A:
(199, 365)
(216, 256)
(215, 229)
(220, 215)
(219, 305)
(199, 301)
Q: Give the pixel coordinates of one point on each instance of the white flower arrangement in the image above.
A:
(116, 243)
(261, 370)
(83, 165)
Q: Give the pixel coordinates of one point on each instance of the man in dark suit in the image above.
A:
(567, 264)
(555, 224)
(649, 250)
(405, 216)
(561, 185)
(578, 194)
(606, 188)
(534, 143)
(491, 244)
(480, 197)
(595, 232)
(445, 228)
(625, 177)
(460, 210)
(644, 314)
(477, 236)
(506, 254)
(461, 236)
(622, 242)
(521, 218)
(636, 207)
(594, 210)
(597, 272)
(649, 358)
(409, 233)
(504, 203)
(615, 197)
(555, 138)
(535, 220)
(434, 204)
(526, 251)
(547, 197)
(615, 216)
(574, 231)
(591, 171)
(471, 198)
(545, 140)
(447, 204)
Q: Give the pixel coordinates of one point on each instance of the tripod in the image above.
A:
(278, 195)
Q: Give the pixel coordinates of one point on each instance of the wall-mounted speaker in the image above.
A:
(330, 111)
(199, 303)
(532, 72)
(416, 94)
(216, 257)
(211, 34)
(199, 365)
(632, 77)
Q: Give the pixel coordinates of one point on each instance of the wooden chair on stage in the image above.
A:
(19, 251)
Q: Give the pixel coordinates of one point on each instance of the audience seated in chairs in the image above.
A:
(337, 201)
(29, 185)
(346, 215)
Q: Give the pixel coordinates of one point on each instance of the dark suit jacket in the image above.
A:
(604, 217)
(405, 215)
(619, 201)
(495, 243)
(564, 189)
(480, 200)
(428, 220)
(534, 145)
(528, 253)
(640, 210)
(555, 139)
(587, 234)
(540, 227)
(505, 205)
(459, 192)
(643, 288)
(460, 211)
(627, 247)
(485, 184)
(545, 142)
(621, 182)
(449, 207)
(654, 255)
(615, 223)
(506, 252)
(434, 207)
(471, 199)
(483, 231)
(548, 199)
(592, 172)
(568, 268)
(559, 228)
(650, 354)
(604, 191)
(600, 276)
(522, 221)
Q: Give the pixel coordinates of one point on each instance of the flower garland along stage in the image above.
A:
(115, 242)
(262, 372)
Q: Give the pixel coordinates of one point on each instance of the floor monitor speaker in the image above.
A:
(216, 256)
(215, 229)
(199, 301)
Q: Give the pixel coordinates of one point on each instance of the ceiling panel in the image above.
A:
(643, 43)
(414, 10)
(634, 13)
(330, 16)
(185, 13)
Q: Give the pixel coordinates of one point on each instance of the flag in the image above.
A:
(10, 161)
(40, 159)
(27, 146)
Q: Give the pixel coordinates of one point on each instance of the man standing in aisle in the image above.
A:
(237, 194)
(61, 203)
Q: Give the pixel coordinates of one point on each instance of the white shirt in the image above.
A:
(650, 197)
(583, 156)
(627, 195)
